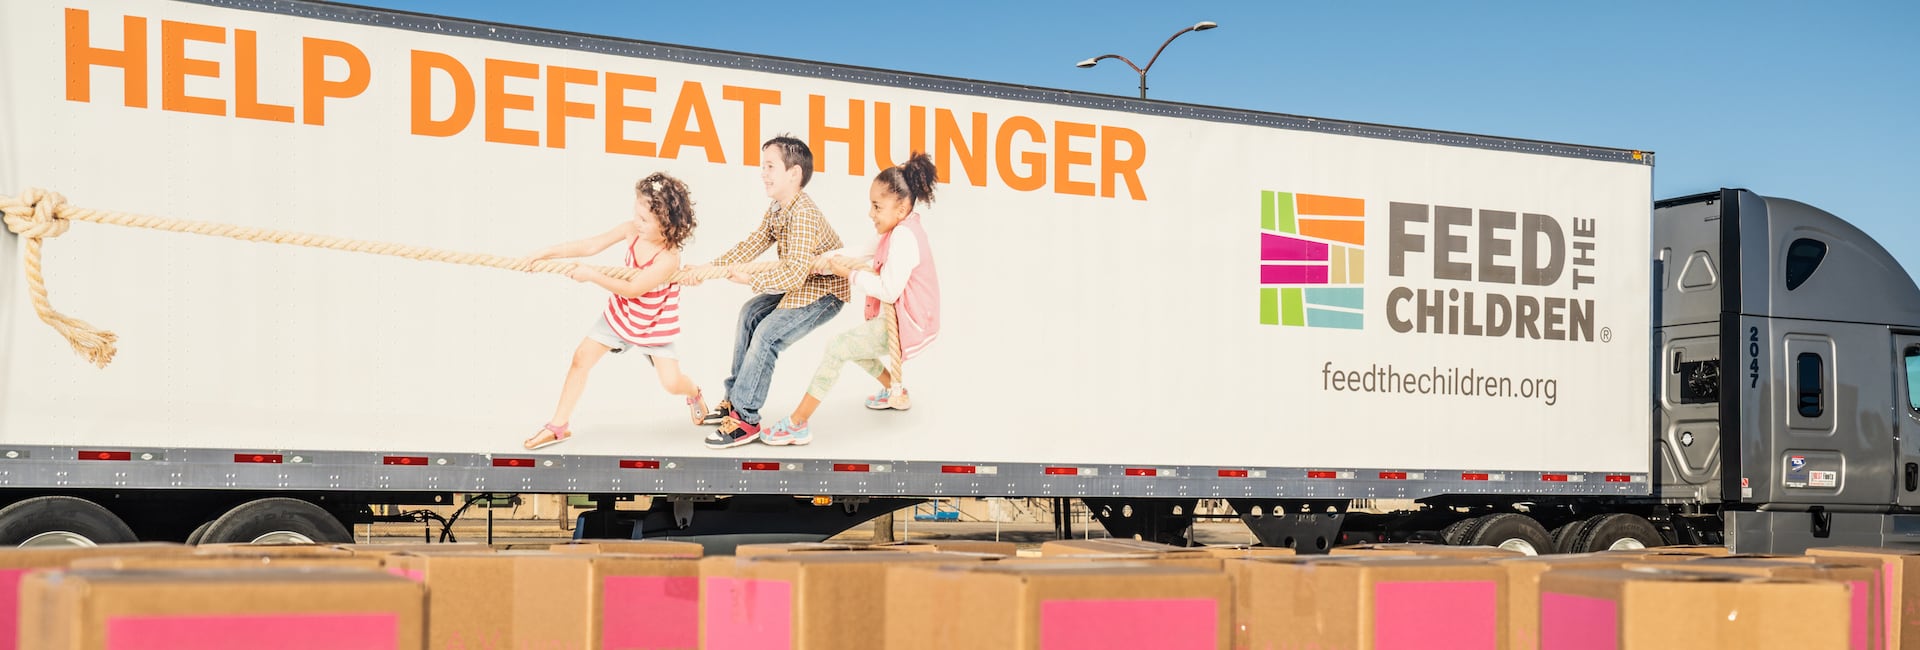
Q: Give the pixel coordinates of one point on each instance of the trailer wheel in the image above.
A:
(61, 521)
(200, 532)
(1455, 534)
(1616, 531)
(1562, 537)
(1511, 531)
(278, 520)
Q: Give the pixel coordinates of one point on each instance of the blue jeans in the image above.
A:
(764, 332)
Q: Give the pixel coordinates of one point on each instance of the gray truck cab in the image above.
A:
(1788, 353)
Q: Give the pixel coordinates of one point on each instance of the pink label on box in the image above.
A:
(1569, 622)
(415, 575)
(1862, 615)
(651, 612)
(1163, 624)
(10, 608)
(278, 631)
(748, 614)
(1458, 614)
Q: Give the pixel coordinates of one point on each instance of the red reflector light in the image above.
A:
(1619, 478)
(1322, 475)
(639, 464)
(404, 460)
(760, 467)
(1233, 473)
(513, 462)
(256, 458)
(105, 455)
(1139, 471)
(1554, 478)
(1393, 476)
(1473, 477)
(851, 467)
(956, 469)
(1063, 471)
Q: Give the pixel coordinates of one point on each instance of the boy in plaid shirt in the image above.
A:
(791, 300)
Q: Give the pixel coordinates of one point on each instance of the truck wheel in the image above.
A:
(199, 533)
(1511, 531)
(61, 521)
(278, 520)
(1455, 534)
(1562, 537)
(1616, 531)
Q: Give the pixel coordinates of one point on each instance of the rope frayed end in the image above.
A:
(93, 344)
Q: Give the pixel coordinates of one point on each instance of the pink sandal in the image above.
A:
(697, 405)
(560, 434)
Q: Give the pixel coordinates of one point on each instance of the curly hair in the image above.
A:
(672, 203)
(912, 180)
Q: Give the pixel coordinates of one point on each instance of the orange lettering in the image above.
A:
(883, 132)
(424, 63)
(619, 114)
(853, 134)
(246, 70)
(499, 100)
(82, 56)
(175, 67)
(558, 108)
(1035, 161)
(1113, 167)
(1064, 158)
(314, 53)
(751, 99)
(692, 103)
(948, 143)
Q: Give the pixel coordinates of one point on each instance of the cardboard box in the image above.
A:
(278, 550)
(757, 550)
(1865, 609)
(804, 601)
(632, 547)
(1008, 549)
(1658, 610)
(1369, 602)
(16, 562)
(1245, 551)
(1429, 550)
(1899, 589)
(1111, 546)
(183, 610)
(565, 601)
(1523, 584)
(1697, 549)
(379, 550)
(214, 562)
(1031, 606)
(469, 596)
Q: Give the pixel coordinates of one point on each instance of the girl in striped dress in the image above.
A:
(643, 315)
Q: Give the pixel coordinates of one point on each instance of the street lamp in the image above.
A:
(1197, 27)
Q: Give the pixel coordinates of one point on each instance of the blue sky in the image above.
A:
(1818, 102)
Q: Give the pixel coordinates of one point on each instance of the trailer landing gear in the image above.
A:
(1167, 521)
(1304, 525)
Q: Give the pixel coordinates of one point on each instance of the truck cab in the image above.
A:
(1788, 360)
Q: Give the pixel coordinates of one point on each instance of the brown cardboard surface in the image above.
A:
(838, 600)
(564, 601)
(1111, 546)
(469, 602)
(1202, 560)
(1697, 549)
(1432, 550)
(1810, 567)
(1359, 602)
(632, 547)
(16, 562)
(1523, 584)
(1013, 606)
(1900, 591)
(256, 550)
(377, 550)
(74, 610)
(1008, 549)
(216, 563)
(1657, 609)
(1246, 551)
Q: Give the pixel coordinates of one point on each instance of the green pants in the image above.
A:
(865, 346)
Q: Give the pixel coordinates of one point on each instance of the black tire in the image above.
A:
(1455, 533)
(83, 522)
(1562, 537)
(198, 533)
(1512, 530)
(1602, 532)
(252, 520)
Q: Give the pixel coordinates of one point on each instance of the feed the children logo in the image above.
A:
(1312, 260)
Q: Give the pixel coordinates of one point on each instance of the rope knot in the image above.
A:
(35, 213)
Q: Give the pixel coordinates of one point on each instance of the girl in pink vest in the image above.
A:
(902, 275)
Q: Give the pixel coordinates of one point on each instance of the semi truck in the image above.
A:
(1144, 303)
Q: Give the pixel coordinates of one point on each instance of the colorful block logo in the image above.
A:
(1312, 260)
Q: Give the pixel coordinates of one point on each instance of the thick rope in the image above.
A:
(37, 215)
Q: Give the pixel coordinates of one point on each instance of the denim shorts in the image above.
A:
(603, 333)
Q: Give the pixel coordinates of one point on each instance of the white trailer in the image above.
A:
(1145, 303)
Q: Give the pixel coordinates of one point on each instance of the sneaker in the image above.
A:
(785, 433)
(733, 432)
(719, 412)
(887, 399)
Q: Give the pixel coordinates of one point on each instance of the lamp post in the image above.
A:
(1197, 27)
